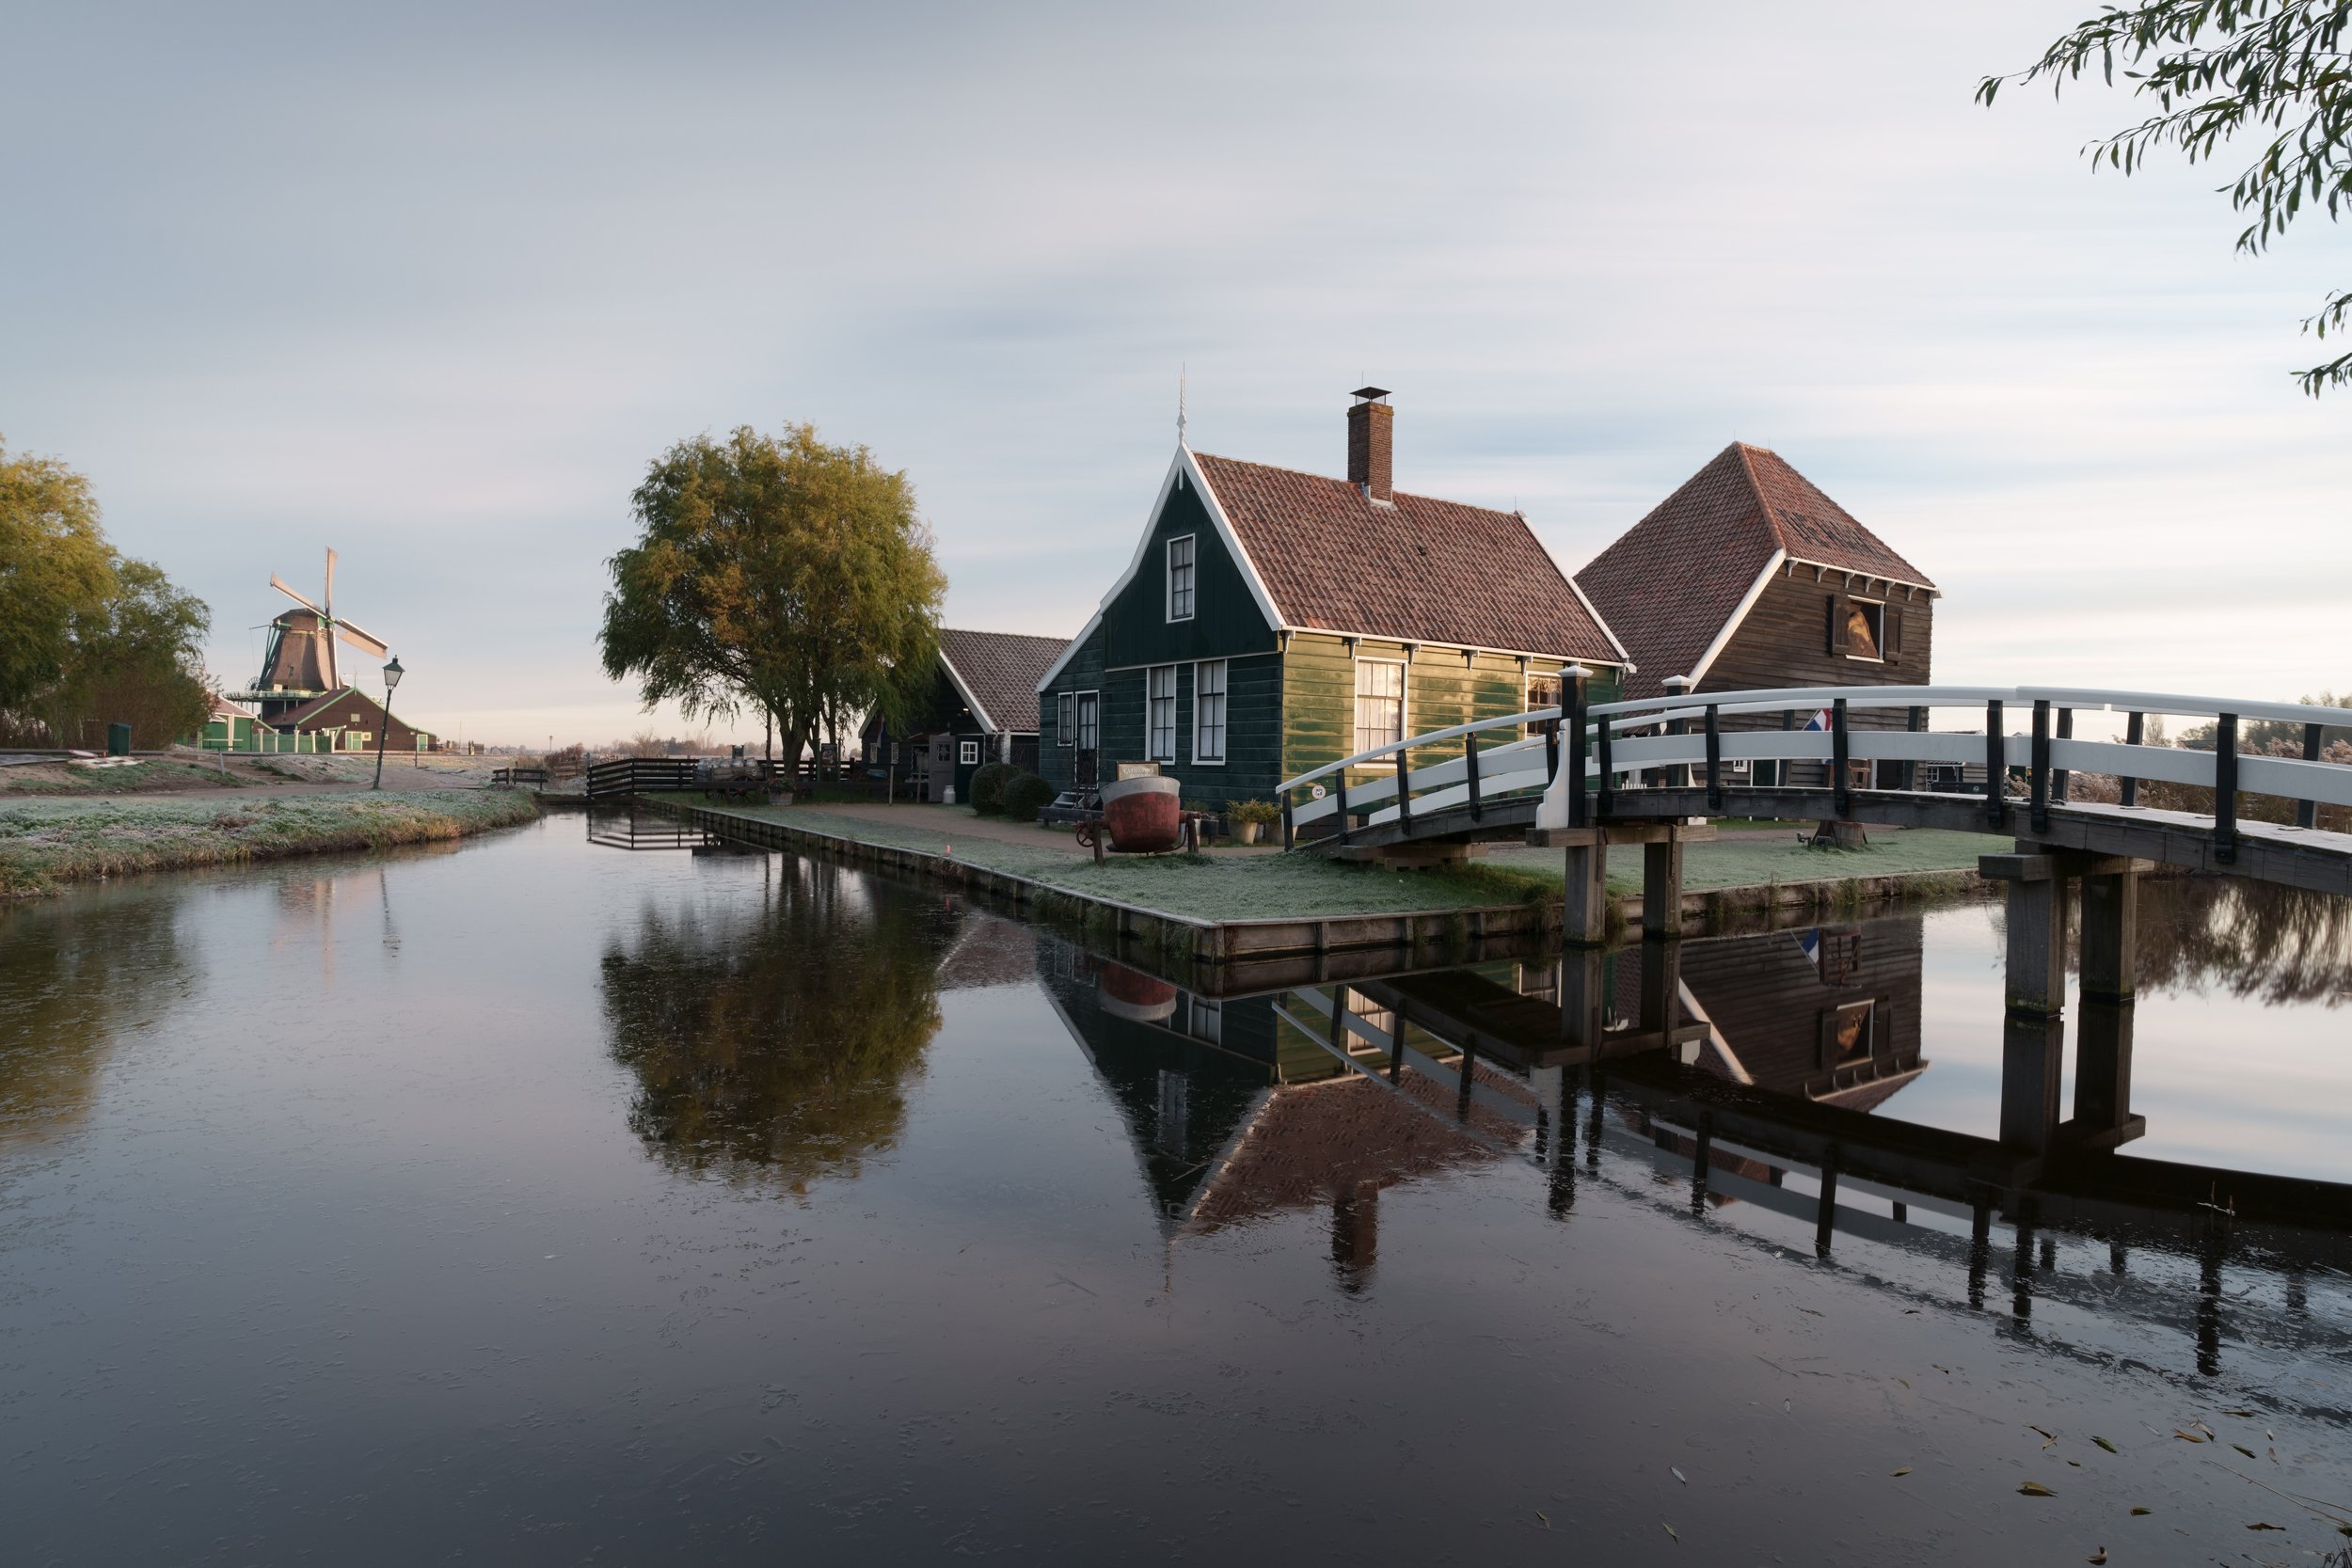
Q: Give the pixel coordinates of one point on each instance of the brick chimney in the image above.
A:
(1368, 439)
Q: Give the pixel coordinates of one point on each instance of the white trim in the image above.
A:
(988, 725)
(1428, 643)
(1931, 590)
(1168, 576)
(1226, 697)
(1077, 723)
(1722, 638)
(1606, 629)
(1065, 733)
(1061, 661)
(1233, 542)
(1403, 696)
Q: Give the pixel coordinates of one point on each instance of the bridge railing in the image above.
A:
(1610, 748)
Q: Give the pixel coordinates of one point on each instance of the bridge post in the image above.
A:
(2038, 775)
(1339, 797)
(2307, 812)
(1841, 781)
(2033, 1027)
(1995, 766)
(1662, 988)
(1404, 791)
(2110, 921)
(1290, 828)
(1915, 720)
(2058, 776)
(1583, 1020)
(1604, 798)
(1572, 703)
(2225, 789)
(1469, 768)
(1714, 760)
(1661, 887)
(2135, 733)
(1584, 913)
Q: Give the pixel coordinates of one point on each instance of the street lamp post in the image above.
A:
(392, 673)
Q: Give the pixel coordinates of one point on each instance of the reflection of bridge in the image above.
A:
(1309, 1096)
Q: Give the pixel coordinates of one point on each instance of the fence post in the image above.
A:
(1841, 785)
(1604, 797)
(1469, 765)
(2135, 733)
(1996, 765)
(1552, 752)
(1917, 723)
(1339, 793)
(2225, 789)
(2038, 776)
(2058, 775)
(1404, 789)
(1714, 761)
(1290, 828)
(2307, 812)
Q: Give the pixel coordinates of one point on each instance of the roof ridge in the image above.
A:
(1763, 502)
(1394, 494)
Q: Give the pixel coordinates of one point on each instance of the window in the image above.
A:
(1208, 1021)
(1865, 630)
(1161, 697)
(1089, 710)
(1179, 579)
(1208, 710)
(1542, 691)
(1846, 1034)
(968, 752)
(1379, 704)
(1066, 718)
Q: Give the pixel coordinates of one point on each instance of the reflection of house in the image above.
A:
(1831, 1014)
(1748, 577)
(982, 707)
(1272, 621)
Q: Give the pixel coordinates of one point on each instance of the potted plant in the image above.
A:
(1249, 817)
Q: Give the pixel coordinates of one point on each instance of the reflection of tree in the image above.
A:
(73, 972)
(773, 1044)
(2277, 944)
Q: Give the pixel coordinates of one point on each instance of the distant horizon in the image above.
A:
(433, 288)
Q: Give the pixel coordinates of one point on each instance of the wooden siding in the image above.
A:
(1058, 762)
(1226, 620)
(1785, 642)
(1770, 999)
(1441, 691)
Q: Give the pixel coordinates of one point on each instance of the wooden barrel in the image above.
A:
(1144, 815)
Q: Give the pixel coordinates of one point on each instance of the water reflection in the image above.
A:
(1743, 1081)
(79, 972)
(773, 1040)
(2278, 946)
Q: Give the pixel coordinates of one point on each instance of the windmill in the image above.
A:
(299, 663)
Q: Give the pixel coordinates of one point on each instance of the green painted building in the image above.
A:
(1272, 621)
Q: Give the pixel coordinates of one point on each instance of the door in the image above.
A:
(1089, 740)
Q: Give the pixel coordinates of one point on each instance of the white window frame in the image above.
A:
(1527, 696)
(1192, 576)
(1879, 632)
(1066, 719)
(967, 754)
(1201, 754)
(1404, 703)
(1152, 729)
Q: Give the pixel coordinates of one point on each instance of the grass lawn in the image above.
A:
(47, 842)
(1243, 887)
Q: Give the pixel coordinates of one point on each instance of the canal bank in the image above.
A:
(48, 844)
(1228, 906)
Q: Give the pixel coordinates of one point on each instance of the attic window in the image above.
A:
(1865, 630)
(1179, 579)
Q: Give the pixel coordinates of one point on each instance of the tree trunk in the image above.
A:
(768, 739)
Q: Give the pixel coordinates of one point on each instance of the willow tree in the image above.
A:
(775, 574)
(2273, 71)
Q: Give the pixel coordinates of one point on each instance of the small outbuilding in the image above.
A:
(982, 707)
(349, 720)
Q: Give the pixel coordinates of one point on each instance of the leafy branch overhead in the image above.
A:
(2214, 69)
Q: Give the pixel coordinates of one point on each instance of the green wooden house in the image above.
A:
(1272, 621)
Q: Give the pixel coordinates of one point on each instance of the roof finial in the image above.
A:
(1181, 371)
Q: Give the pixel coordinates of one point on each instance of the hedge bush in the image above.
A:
(1025, 795)
(987, 787)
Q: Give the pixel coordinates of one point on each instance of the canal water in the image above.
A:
(551, 1201)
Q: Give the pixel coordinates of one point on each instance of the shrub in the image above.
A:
(1260, 812)
(1025, 795)
(987, 787)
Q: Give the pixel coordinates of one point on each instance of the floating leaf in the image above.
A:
(2139, 1510)
(2237, 1412)
(2034, 1489)
(1670, 1531)
(2105, 1443)
(1677, 1475)
(1545, 1517)
(2099, 1556)
(2260, 1526)
(1904, 1381)
(2246, 1452)
(2076, 1463)
(1904, 1471)
(2186, 1436)
(2044, 1431)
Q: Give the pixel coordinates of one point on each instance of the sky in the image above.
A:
(434, 285)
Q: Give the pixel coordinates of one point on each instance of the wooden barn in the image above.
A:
(1750, 577)
(349, 720)
(982, 708)
(1271, 621)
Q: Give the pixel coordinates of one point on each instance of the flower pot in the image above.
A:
(1144, 815)
(1246, 833)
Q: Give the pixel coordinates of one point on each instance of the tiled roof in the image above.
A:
(1002, 669)
(317, 706)
(1417, 570)
(1672, 580)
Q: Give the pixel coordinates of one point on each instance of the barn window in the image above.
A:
(1179, 579)
(1379, 703)
(1163, 712)
(1066, 718)
(968, 752)
(1208, 710)
(1542, 691)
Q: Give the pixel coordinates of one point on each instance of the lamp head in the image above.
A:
(392, 673)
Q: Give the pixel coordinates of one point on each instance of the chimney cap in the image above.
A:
(1370, 394)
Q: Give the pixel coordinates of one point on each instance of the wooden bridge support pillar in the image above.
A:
(1584, 915)
(2103, 1079)
(2110, 934)
(1662, 889)
(1584, 1014)
(2036, 966)
(1662, 986)
(2033, 1051)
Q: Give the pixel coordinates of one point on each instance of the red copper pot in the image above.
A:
(1144, 815)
